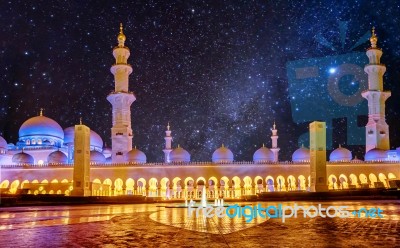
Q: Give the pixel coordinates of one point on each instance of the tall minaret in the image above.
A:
(376, 130)
(121, 100)
(275, 149)
(168, 140)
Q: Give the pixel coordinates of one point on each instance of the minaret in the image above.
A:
(275, 149)
(168, 140)
(121, 100)
(376, 130)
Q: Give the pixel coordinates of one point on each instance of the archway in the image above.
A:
(259, 186)
(270, 183)
(200, 186)
(177, 187)
(224, 187)
(343, 182)
(391, 176)
(213, 188)
(153, 187)
(130, 183)
(236, 187)
(108, 182)
(4, 184)
(189, 187)
(141, 186)
(373, 179)
(383, 179)
(118, 184)
(332, 182)
(291, 183)
(248, 185)
(165, 184)
(14, 186)
(281, 183)
(363, 179)
(301, 181)
(353, 180)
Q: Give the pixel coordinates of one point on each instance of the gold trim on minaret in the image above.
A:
(373, 39)
(121, 36)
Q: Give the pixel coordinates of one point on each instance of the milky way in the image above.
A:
(215, 69)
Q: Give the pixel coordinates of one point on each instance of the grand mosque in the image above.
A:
(42, 160)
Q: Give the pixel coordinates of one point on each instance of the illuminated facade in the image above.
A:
(41, 162)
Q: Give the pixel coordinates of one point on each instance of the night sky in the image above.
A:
(215, 69)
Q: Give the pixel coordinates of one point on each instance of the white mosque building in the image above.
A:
(41, 162)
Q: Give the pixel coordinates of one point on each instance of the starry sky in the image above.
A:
(216, 70)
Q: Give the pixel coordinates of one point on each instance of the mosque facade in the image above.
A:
(41, 162)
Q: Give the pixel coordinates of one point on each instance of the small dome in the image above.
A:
(340, 154)
(97, 157)
(3, 144)
(301, 155)
(57, 157)
(375, 155)
(22, 158)
(107, 152)
(136, 156)
(179, 155)
(41, 126)
(263, 155)
(222, 155)
(95, 139)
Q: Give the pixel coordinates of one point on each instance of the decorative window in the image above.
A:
(33, 142)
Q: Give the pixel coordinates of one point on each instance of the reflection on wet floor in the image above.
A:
(34, 217)
(28, 217)
(180, 217)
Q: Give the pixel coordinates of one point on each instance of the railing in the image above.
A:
(207, 163)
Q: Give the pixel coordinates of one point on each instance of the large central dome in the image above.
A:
(95, 139)
(41, 126)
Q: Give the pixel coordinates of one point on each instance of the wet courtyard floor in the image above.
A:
(153, 225)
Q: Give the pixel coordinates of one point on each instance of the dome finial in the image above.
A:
(135, 148)
(121, 36)
(41, 112)
(168, 126)
(179, 146)
(274, 125)
(80, 120)
(223, 145)
(340, 146)
(263, 145)
(373, 39)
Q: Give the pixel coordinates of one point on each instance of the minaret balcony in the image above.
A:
(125, 47)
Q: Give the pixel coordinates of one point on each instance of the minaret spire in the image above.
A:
(274, 138)
(376, 130)
(121, 100)
(168, 144)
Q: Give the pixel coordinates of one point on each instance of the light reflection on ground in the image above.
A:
(155, 226)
